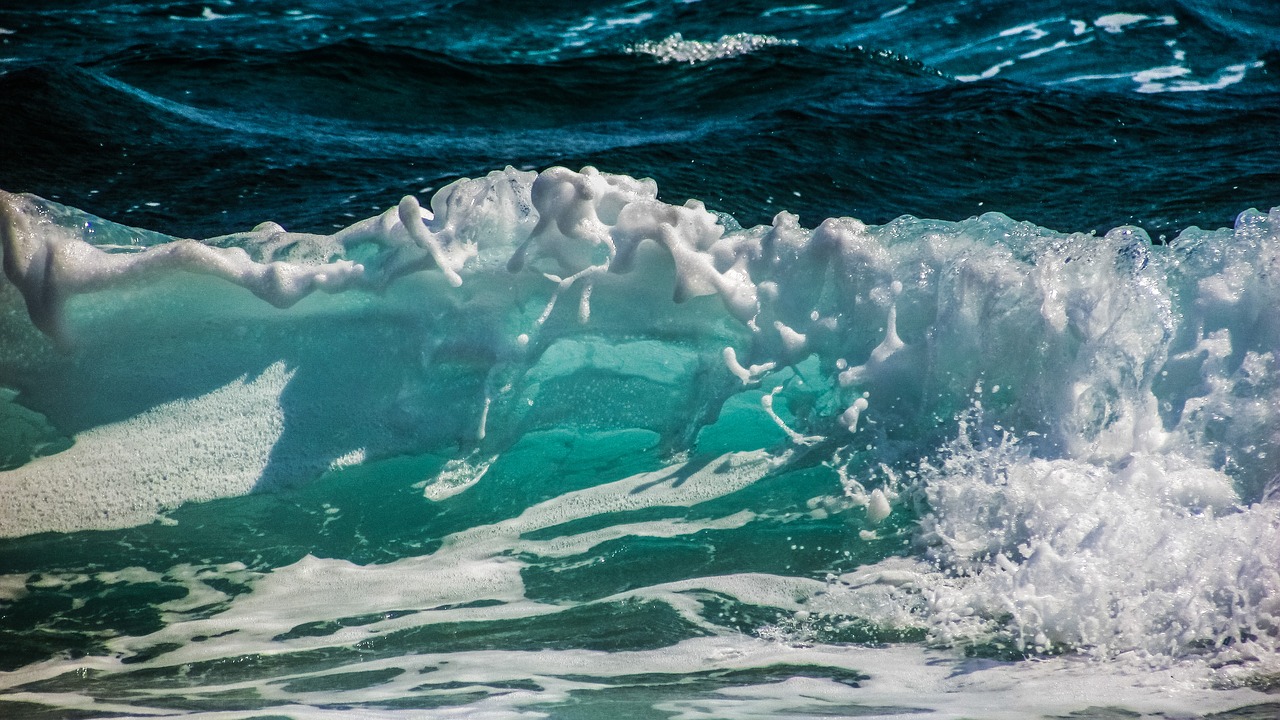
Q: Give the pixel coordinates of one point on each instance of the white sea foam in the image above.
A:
(900, 681)
(124, 473)
(988, 73)
(676, 49)
(1179, 78)
(479, 563)
(13, 587)
(1152, 557)
(1117, 22)
(1015, 46)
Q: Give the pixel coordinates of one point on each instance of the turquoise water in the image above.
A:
(548, 442)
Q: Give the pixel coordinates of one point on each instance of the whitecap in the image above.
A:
(676, 49)
(1174, 78)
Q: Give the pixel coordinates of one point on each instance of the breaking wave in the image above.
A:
(551, 400)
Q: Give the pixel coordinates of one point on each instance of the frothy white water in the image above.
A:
(478, 564)
(125, 473)
(782, 670)
(894, 682)
(1145, 560)
(676, 49)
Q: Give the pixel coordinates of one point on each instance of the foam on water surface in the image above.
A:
(123, 474)
(676, 48)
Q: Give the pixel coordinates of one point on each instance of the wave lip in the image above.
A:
(50, 263)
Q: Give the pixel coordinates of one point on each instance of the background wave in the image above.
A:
(864, 115)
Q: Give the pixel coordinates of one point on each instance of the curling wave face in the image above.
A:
(1017, 440)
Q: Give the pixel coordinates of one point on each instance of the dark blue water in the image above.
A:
(1006, 444)
(304, 112)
